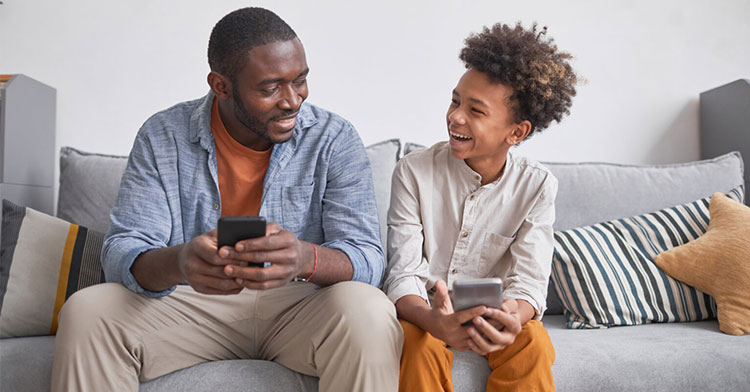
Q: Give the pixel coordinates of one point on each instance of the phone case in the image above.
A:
(474, 292)
(232, 229)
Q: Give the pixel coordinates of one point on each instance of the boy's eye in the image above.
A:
(454, 101)
(475, 110)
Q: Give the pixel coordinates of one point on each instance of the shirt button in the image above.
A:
(454, 271)
(471, 197)
(477, 177)
(464, 234)
(216, 206)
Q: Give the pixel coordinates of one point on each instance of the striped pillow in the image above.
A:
(43, 261)
(605, 274)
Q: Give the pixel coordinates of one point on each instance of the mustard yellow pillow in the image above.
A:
(718, 263)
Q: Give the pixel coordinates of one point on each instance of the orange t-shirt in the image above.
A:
(241, 171)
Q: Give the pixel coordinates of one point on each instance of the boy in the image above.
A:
(467, 208)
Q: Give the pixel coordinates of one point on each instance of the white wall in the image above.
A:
(389, 66)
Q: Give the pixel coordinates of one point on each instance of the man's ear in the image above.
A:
(520, 131)
(220, 85)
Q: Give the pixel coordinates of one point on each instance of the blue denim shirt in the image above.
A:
(318, 186)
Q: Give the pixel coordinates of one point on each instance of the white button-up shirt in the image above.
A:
(443, 224)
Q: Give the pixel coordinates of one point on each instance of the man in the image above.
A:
(250, 147)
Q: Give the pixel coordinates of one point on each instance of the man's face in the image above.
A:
(479, 119)
(267, 94)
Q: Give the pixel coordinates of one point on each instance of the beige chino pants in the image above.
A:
(347, 334)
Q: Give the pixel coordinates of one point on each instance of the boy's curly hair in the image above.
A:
(542, 80)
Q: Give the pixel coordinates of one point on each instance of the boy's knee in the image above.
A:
(419, 345)
(412, 333)
(415, 338)
(536, 340)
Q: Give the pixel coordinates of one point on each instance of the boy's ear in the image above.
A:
(520, 131)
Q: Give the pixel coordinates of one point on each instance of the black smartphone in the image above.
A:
(232, 229)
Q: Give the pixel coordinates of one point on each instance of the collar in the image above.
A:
(472, 176)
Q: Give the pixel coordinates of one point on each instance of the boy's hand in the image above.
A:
(498, 331)
(446, 324)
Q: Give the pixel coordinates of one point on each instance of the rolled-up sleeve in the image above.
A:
(350, 218)
(532, 251)
(139, 220)
(408, 271)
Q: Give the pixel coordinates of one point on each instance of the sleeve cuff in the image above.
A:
(365, 269)
(538, 306)
(409, 285)
(128, 280)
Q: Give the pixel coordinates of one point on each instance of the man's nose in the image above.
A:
(290, 99)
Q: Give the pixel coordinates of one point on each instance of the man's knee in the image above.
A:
(367, 314)
(86, 308)
(361, 299)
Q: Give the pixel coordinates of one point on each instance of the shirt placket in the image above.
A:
(457, 266)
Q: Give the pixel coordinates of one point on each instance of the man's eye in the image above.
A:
(300, 82)
(271, 90)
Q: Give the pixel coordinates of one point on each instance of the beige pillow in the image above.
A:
(718, 263)
(43, 261)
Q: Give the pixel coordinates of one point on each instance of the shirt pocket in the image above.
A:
(494, 248)
(295, 207)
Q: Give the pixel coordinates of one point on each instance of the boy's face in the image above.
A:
(480, 123)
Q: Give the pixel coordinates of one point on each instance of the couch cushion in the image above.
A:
(655, 357)
(26, 363)
(606, 276)
(234, 375)
(410, 147)
(383, 157)
(693, 356)
(590, 193)
(718, 263)
(470, 371)
(88, 187)
(43, 261)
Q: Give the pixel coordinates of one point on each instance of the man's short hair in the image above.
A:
(240, 31)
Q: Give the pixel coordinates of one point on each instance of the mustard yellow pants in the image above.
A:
(525, 365)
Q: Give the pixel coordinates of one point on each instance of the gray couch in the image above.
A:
(683, 357)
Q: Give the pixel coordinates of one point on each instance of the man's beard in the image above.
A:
(254, 124)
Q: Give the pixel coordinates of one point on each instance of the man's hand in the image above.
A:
(281, 248)
(446, 325)
(498, 332)
(200, 265)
